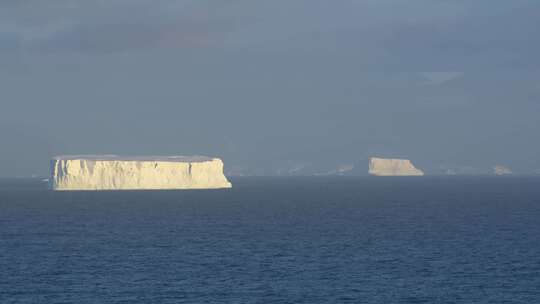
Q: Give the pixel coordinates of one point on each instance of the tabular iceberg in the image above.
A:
(392, 167)
(111, 172)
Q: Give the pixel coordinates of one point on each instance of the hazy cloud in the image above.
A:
(438, 78)
(120, 37)
(112, 26)
(274, 87)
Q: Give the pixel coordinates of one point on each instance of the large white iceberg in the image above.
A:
(111, 172)
(392, 167)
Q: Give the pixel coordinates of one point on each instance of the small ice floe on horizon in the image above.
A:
(296, 168)
(501, 170)
(450, 172)
(345, 168)
(462, 170)
(340, 170)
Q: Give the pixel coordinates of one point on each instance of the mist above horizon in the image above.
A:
(274, 87)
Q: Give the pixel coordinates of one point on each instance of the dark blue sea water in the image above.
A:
(275, 240)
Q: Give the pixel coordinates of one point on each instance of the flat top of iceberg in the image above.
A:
(388, 159)
(112, 157)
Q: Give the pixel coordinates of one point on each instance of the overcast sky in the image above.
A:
(272, 86)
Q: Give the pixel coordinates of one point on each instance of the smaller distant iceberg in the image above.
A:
(501, 170)
(393, 167)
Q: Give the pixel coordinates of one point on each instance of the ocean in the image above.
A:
(275, 240)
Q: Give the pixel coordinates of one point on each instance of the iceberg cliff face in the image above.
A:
(392, 167)
(110, 172)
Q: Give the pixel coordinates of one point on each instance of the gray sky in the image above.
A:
(272, 86)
